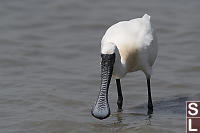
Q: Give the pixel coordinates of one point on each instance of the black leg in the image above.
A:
(120, 97)
(150, 104)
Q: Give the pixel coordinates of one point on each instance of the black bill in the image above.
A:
(101, 110)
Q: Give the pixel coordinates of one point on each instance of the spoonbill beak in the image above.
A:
(101, 110)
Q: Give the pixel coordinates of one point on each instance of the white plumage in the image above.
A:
(135, 45)
(127, 46)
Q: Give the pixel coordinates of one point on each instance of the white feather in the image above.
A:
(134, 44)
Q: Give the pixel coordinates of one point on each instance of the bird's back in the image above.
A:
(134, 39)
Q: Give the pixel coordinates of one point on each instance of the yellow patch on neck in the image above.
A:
(129, 56)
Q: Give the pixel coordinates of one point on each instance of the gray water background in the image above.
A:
(50, 73)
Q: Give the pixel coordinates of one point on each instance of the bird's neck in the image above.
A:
(119, 70)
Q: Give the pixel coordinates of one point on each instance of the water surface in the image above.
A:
(50, 73)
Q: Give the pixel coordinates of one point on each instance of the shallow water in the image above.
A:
(50, 73)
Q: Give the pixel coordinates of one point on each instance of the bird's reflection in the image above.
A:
(119, 116)
(122, 117)
(148, 119)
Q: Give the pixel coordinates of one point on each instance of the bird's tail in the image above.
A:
(146, 17)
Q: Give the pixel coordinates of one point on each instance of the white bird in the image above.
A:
(127, 46)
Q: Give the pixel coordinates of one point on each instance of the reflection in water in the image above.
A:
(129, 120)
(148, 122)
(125, 120)
(119, 116)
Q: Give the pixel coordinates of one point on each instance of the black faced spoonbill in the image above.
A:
(127, 46)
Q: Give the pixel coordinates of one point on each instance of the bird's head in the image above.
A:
(101, 110)
(108, 48)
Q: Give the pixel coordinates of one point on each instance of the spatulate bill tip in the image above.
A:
(100, 113)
